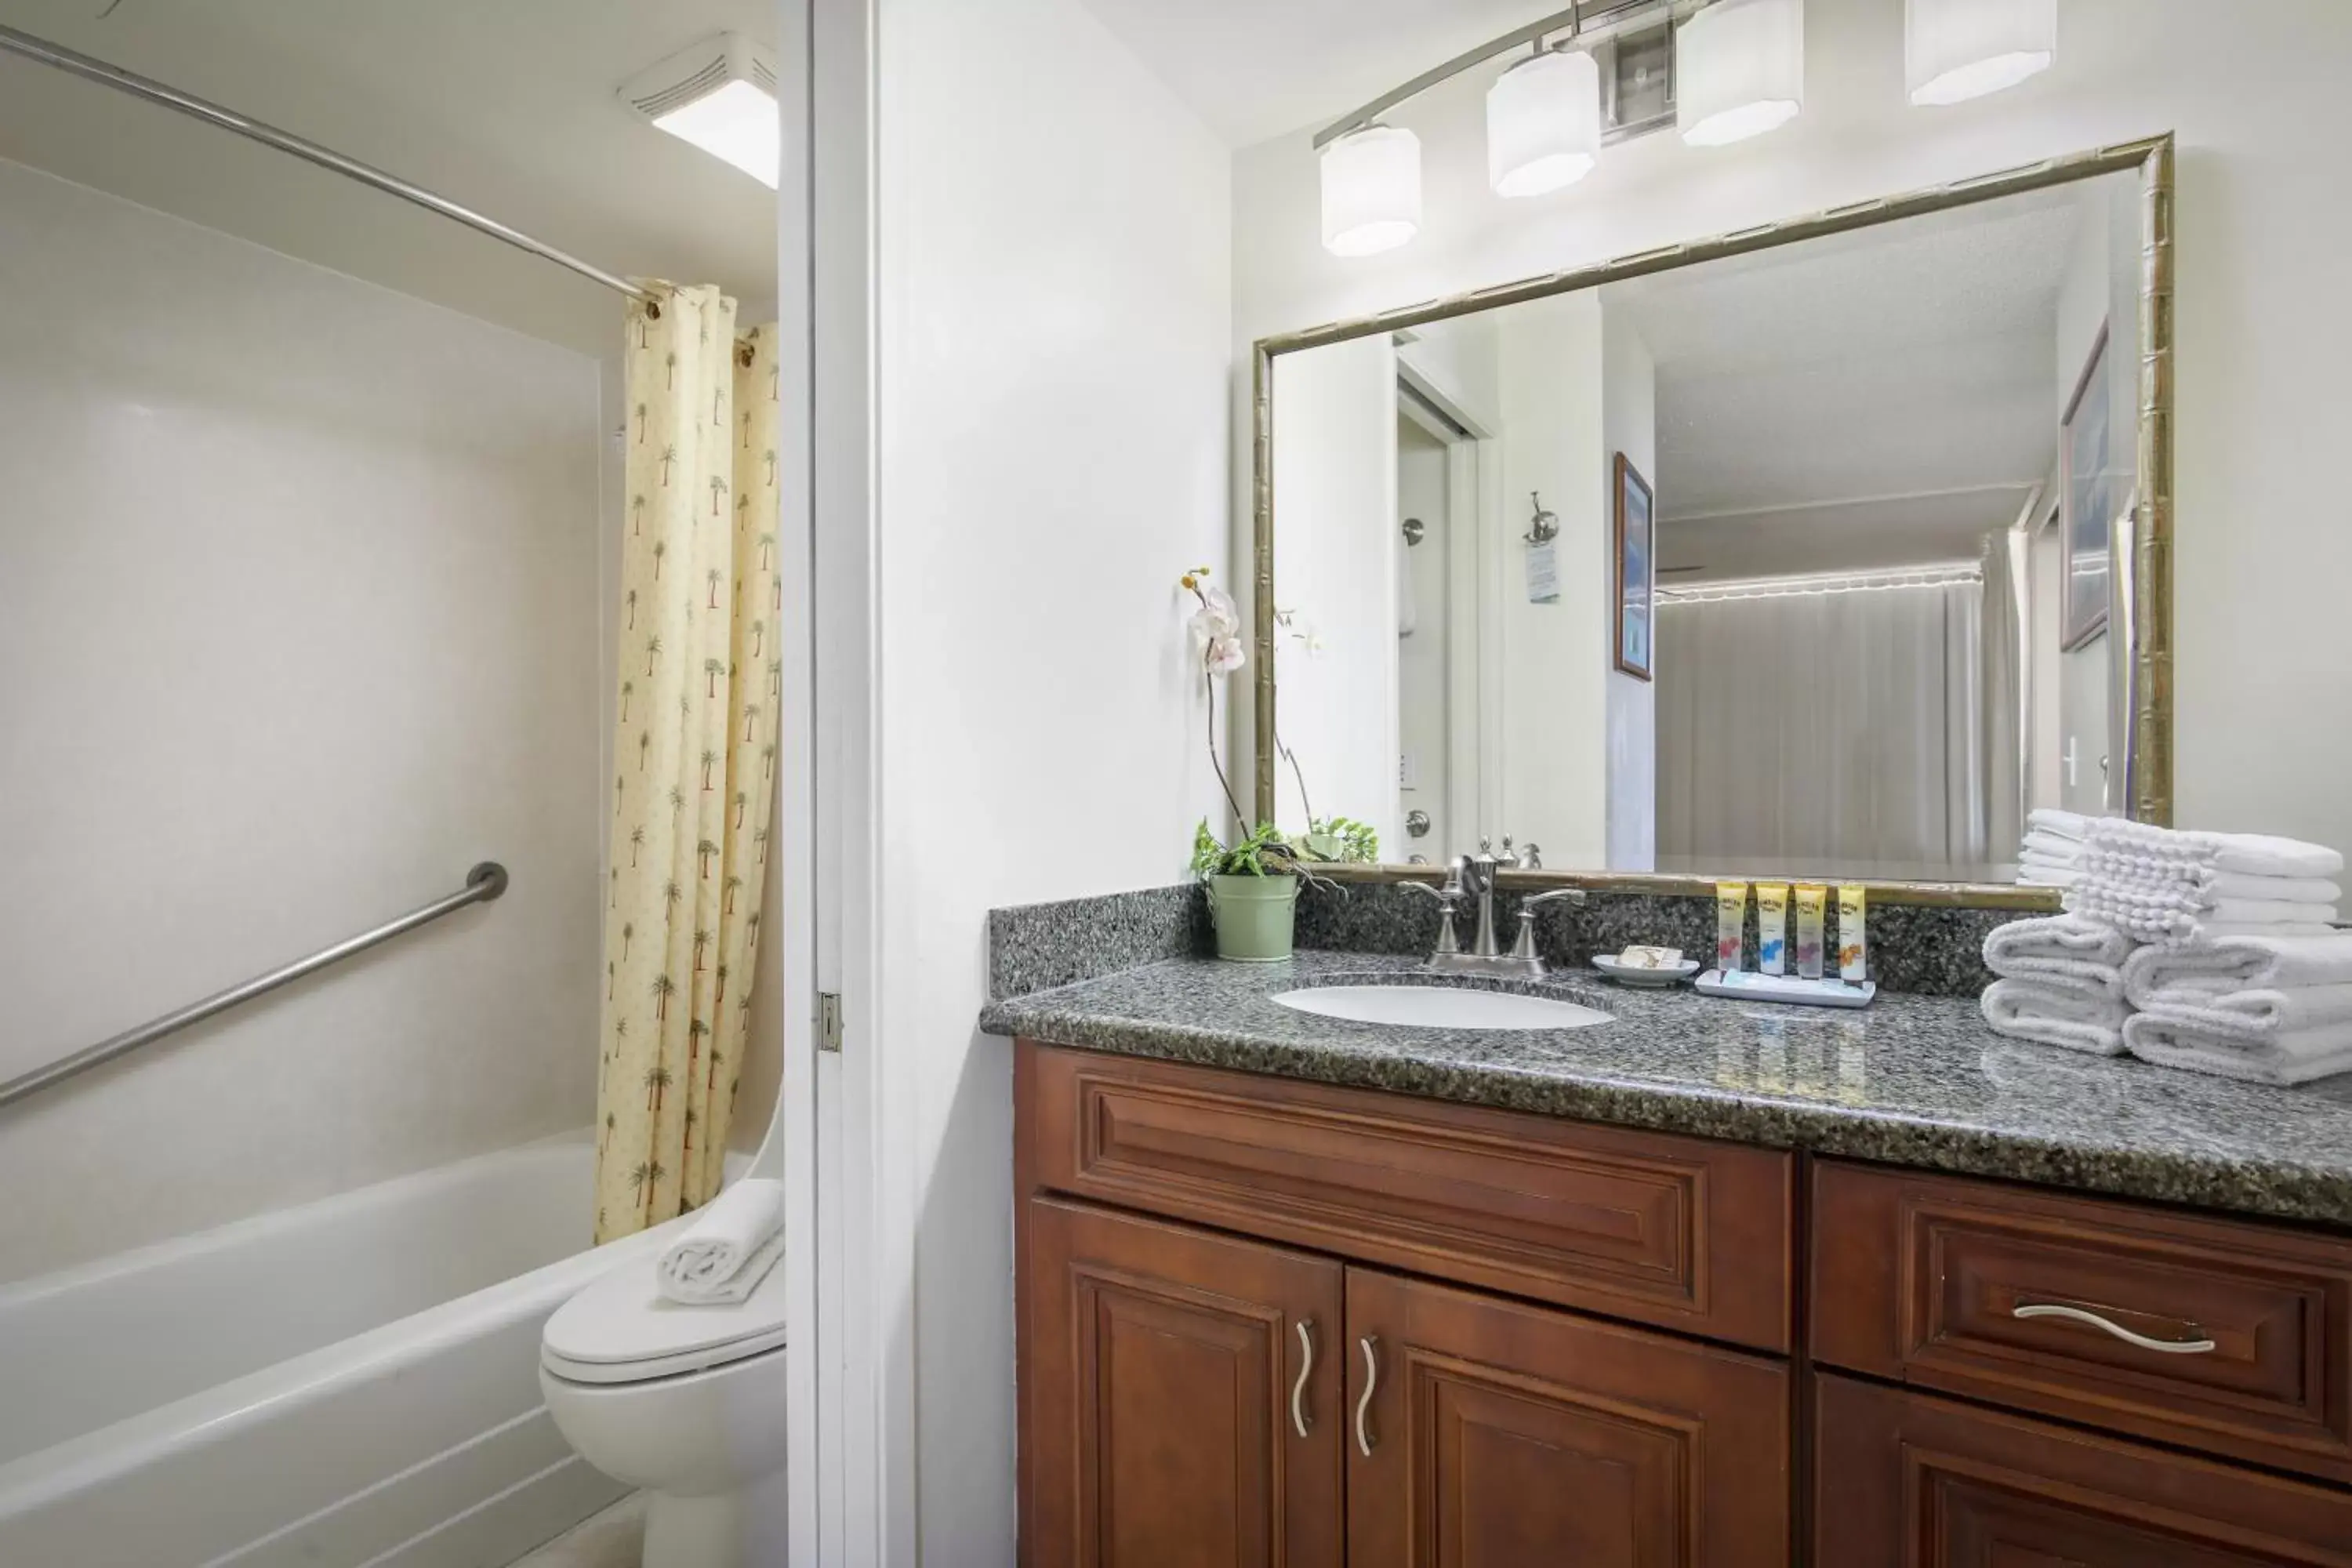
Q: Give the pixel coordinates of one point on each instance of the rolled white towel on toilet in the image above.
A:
(732, 1244)
(2069, 1012)
(2292, 1056)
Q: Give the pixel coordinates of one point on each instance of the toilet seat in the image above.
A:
(620, 1330)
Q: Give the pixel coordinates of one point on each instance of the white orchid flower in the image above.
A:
(1223, 654)
(1217, 618)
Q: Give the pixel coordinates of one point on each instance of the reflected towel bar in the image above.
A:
(483, 883)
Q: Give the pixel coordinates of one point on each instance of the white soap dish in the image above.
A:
(1657, 977)
(1749, 986)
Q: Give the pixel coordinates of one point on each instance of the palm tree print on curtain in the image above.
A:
(695, 725)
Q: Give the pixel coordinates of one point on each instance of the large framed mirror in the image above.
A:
(1825, 549)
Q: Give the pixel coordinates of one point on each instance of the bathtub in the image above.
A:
(353, 1381)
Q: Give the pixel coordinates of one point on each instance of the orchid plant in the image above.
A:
(1265, 850)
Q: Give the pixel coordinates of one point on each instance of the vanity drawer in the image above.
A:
(2230, 1337)
(1678, 1231)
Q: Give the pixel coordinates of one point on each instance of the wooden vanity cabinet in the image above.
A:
(1268, 1322)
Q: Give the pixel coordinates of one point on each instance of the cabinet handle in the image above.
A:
(1364, 1405)
(2107, 1325)
(1298, 1421)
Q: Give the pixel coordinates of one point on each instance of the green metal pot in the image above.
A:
(1253, 917)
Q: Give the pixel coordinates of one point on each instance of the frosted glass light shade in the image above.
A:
(1543, 124)
(1954, 50)
(1371, 191)
(1739, 69)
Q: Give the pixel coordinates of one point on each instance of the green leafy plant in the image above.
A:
(1262, 852)
(1339, 840)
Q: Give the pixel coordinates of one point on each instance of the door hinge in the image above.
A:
(828, 1020)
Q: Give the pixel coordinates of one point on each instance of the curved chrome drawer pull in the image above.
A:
(1364, 1405)
(1298, 1421)
(2104, 1325)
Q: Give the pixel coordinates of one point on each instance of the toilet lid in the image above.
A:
(620, 1330)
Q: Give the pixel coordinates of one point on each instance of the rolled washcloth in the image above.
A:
(2290, 1056)
(731, 1245)
(2057, 1010)
(2065, 946)
(2170, 850)
(2250, 988)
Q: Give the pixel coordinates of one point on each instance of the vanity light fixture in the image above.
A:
(1741, 70)
(719, 95)
(1543, 123)
(1372, 190)
(1954, 50)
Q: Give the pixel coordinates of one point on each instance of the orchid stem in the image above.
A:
(1241, 822)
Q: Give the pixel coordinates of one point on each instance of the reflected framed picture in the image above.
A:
(1637, 568)
(2086, 486)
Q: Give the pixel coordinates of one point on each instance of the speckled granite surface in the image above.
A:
(1039, 945)
(1930, 951)
(1915, 1080)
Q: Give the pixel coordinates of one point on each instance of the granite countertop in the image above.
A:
(1913, 1080)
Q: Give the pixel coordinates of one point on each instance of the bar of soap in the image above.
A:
(1651, 957)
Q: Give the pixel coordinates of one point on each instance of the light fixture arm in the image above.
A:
(1589, 21)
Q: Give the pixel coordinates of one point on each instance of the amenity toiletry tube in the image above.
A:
(1853, 942)
(1731, 926)
(1773, 927)
(1810, 902)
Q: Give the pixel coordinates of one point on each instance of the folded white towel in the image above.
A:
(2032, 872)
(2067, 825)
(2253, 854)
(2054, 944)
(2157, 922)
(2252, 1017)
(2202, 885)
(2296, 1056)
(735, 1240)
(2042, 844)
(2052, 1013)
(2240, 963)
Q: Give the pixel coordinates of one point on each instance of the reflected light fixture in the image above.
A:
(719, 95)
(1372, 190)
(1954, 50)
(1543, 123)
(1740, 69)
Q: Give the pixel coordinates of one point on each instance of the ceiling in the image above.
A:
(1258, 68)
(506, 107)
(1883, 397)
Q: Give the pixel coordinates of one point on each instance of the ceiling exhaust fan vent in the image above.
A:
(718, 94)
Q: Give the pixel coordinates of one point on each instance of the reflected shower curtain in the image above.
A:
(694, 752)
(1826, 727)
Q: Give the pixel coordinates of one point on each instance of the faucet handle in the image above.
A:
(1449, 899)
(1525, 945)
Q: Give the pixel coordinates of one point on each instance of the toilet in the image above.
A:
(686, 1404)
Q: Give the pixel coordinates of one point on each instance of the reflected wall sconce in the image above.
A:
(1719, 70)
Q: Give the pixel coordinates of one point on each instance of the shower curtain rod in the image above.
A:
(137, 86)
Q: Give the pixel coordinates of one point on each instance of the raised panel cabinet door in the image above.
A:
(1485, 1434)
(1903, 1479)
(1180, 1394)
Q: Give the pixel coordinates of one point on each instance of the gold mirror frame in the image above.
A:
(2146, 589)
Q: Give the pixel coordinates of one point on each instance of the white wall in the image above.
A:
(1629, 424)
(1554, 655)
(1053, 320)
(2261, 330)
(1335, 424)
(297, 600)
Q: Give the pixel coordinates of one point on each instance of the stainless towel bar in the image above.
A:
(483, 883)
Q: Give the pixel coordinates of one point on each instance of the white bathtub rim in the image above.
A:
(385, 1194)
(94, 1458)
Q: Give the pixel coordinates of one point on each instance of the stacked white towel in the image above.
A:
(2062, 983)
(2269, 1009)
(2052, 854)
(2156, 884)
(729, 1248)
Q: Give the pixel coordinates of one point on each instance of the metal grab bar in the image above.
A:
(483, 883)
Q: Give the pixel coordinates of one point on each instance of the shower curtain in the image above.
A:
(694, 752)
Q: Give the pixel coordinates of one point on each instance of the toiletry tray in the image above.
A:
(1748, 987)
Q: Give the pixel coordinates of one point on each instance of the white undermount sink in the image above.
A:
(1441, 1007)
